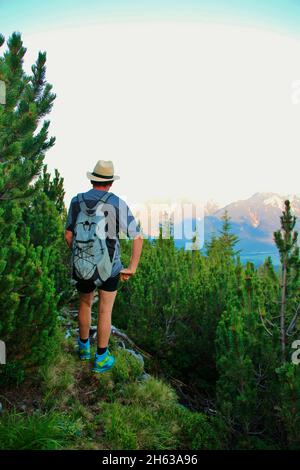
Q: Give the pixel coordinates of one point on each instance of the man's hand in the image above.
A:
(126, 273)
(69, 238)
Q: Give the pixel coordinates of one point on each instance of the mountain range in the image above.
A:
(253, 220)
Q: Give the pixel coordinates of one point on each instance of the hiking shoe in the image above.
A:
(103, 362)
(84, 350)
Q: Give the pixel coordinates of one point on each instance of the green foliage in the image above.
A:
(224, 243)
(27, 294)
(256, 397)
(23, 132)
(198, 432)
(33, 279)
(45, 218)
(289, 403)
(52, 431)
(125, 413)
(182, 296)
(127, 367)
(147, 416)
(286, 240)
(214, 325)
(58, 379)
(245, 359)
(132, 427)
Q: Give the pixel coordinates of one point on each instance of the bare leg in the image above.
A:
(85, 314)
(106, 303)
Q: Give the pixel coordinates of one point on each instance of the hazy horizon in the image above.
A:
(195, 100)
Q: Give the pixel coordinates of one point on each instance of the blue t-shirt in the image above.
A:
(119, 220)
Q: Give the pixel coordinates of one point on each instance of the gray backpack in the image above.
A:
(90, 256)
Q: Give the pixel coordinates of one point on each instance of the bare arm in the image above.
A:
(135, 258)
(136, 253)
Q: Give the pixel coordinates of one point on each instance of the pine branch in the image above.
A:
(263, 323)
(293, 321)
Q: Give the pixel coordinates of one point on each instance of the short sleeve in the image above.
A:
(127, 222)
(71, 218)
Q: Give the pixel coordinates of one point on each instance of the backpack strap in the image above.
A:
(105, 198)
(89, 210)
(82, 204)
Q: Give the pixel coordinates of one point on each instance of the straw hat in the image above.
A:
(103, 171)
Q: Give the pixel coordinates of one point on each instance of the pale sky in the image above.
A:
(193, 109)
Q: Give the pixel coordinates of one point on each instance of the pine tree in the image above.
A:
(227, 239)
(286, 242)
(223, 243)
(23, 132)
(29, 238)
(246, 362)
(45, 217)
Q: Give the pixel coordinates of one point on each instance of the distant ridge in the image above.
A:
(253, 220)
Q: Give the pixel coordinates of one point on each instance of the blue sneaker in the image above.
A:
(103, 362)
(84, 350)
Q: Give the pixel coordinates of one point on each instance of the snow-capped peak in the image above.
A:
(275, 201)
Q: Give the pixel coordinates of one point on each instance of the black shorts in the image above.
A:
(110, 285)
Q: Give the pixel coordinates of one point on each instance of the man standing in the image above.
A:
(118, 219)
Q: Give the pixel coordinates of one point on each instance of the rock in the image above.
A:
(145, 376)
(137, 355)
